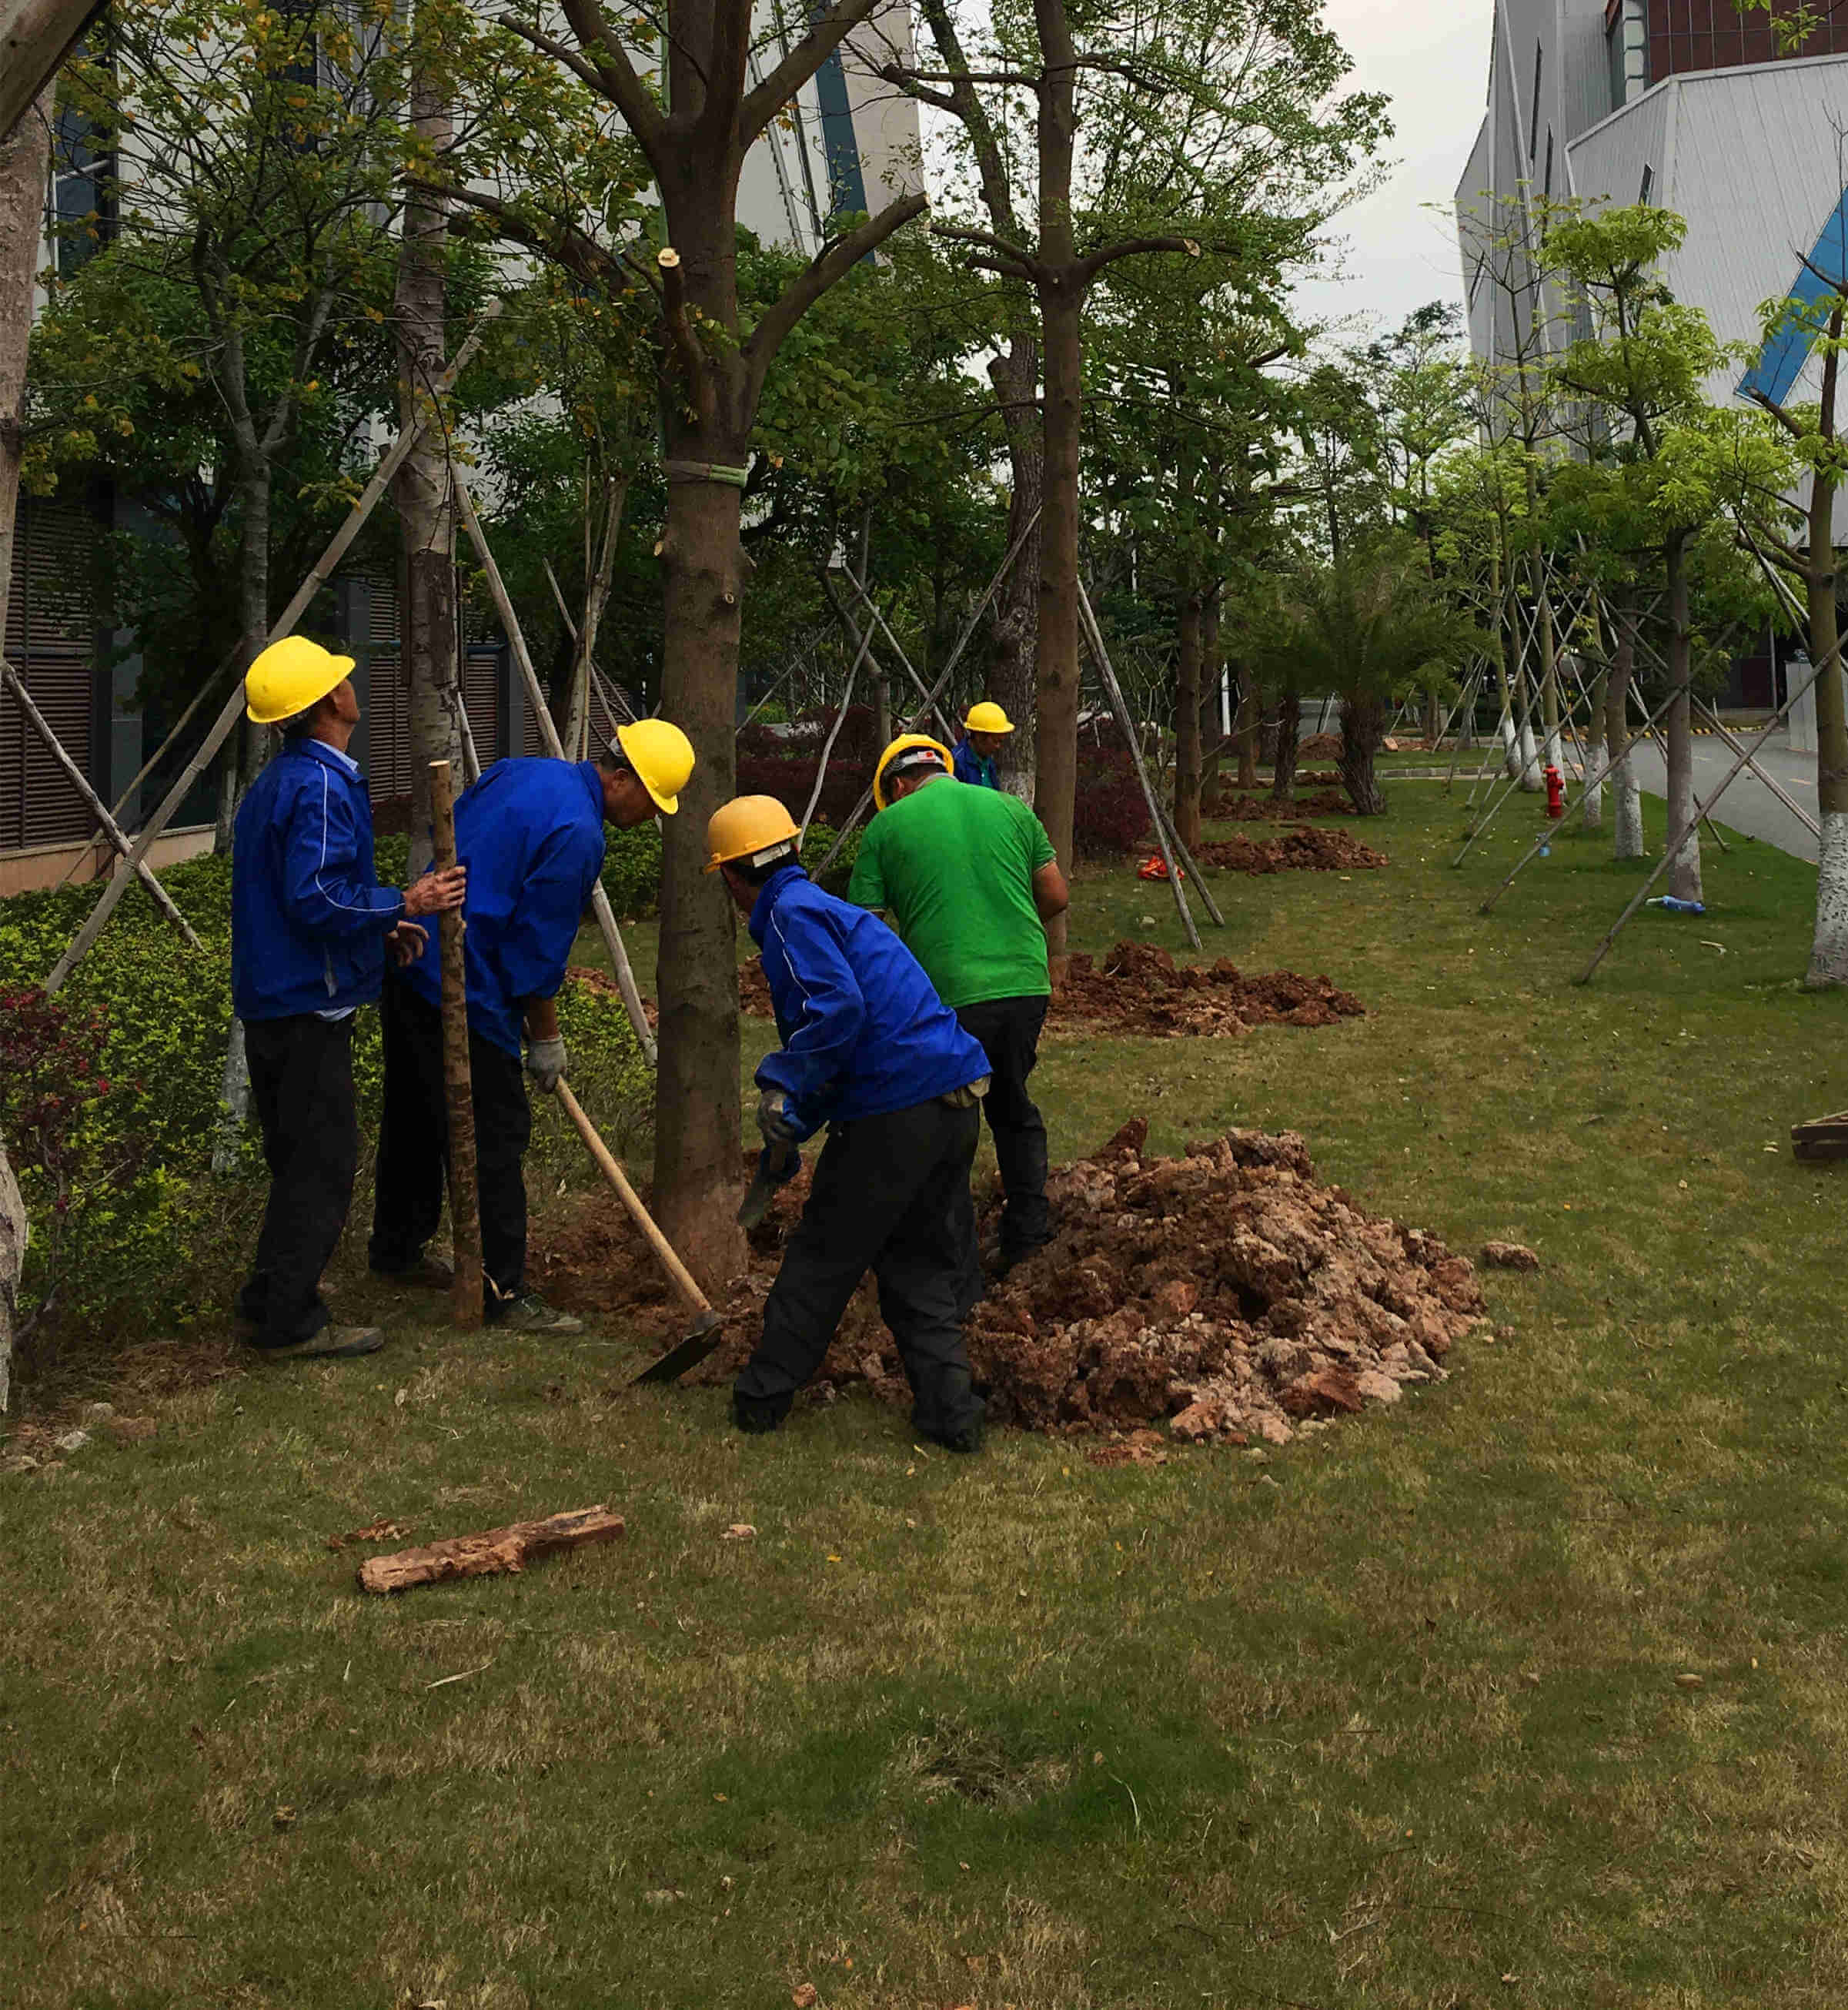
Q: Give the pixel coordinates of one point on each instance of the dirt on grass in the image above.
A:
(1267, 809)
(1140, 989)
(1223, 1296)
(1303, 848)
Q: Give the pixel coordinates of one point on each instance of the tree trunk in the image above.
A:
(1055, 723)
(697, 1136)
(24, 162)
(1186, 724)
(1290, 726)
(426, 514)
(1363, 727)
(1212, 724)
(577, 736)
(1828, 946)
(1684, 836)
(1248, 730)
(1626, 795)
(1013, 663)
(1434, 719)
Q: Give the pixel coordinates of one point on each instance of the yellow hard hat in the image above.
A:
(661, 756)
(987, 717)
(289, 676)
(904, 741)
(746, 827)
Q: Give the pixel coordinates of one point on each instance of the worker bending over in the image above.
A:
(969, 879)
(984, 730)
(309, 928)
(869, 1050)
(530, 833)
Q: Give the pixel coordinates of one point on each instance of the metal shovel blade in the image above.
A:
(707, 1332)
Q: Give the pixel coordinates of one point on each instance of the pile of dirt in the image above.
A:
(1225, 1295)
(1303, 848)
(1319, 747)
(1267, 809)
(1140, 989)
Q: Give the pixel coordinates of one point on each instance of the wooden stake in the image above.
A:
(98, 809)
(234, 705)
(465, 1204)
(493, 1552)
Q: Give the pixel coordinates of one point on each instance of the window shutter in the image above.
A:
(51, 641)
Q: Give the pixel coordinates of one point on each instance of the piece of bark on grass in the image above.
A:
(492, 1553)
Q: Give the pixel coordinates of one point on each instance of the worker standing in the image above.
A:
(310, 927)
(869, 1050)
(969, 879)
(531, 832)
(984, 728)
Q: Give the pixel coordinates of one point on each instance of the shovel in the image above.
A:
(705, 1333)
(762, 1190)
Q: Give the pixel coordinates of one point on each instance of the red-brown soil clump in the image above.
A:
(1140, 989)
(1222, 1296)
(1302, 848)
(1267, 809)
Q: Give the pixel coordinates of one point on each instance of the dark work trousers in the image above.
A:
(413, 1144)
(891, 1195)
(301, 1081)
(1008, 1032)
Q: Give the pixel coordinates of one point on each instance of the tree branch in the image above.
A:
(1021, 264)
(762, 105)
(1134, 247)
(1777, 412)
(573, 59)
(685, 343)
(616, 77)
(808, 284)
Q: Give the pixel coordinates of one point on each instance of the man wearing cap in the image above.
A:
(530, 833)
(869, 1050)
(984, 730)
(969, 879)
(311, 926)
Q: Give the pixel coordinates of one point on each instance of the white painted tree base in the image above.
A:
(1828, 951)
(1529, 753)
(1628, 795)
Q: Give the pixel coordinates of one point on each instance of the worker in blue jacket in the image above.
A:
(984, 727)
(530, 834)
(869, 1050)
(310, 927)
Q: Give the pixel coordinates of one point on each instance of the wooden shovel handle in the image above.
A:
(612, 1171)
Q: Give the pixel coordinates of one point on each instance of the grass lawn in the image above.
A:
(1404, 1714)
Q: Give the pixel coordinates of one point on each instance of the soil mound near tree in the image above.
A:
(1140, 989)
(1267, 809)
(1226, 1295)
(1303, 848)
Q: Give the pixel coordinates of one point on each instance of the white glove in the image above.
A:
(545, 1062)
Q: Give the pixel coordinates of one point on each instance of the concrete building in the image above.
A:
(850, 142)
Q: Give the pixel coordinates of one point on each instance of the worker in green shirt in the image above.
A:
(968, 878)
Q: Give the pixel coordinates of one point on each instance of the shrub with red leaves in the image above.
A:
(1110, 814)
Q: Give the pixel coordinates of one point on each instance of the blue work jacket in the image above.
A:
(863, 1032)
(975, 768)
(531, 832)
(309, 918)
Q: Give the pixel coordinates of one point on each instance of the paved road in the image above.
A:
(1747, 805)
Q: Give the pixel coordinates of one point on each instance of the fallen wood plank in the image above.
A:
(492, 1553)
(1822, 1137)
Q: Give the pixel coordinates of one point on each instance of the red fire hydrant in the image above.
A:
(1555, 790)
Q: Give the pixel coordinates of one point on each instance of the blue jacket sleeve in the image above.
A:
(328, 890)
(825, 1021)
(547, 913)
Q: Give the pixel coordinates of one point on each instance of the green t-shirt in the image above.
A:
(952, 868)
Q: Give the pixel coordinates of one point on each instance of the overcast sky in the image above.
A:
(1430, 57)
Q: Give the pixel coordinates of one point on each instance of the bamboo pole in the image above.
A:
(840, 720)
(98, 809)
(943, 678)
(147, 766)
(879, 621)
(1130, 733)
(464, 1201)
(228, 718)
(549, 732)
(1670, 852)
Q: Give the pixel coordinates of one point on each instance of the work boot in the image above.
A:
(755, 1419)
(332, 1343)
(529, 1313)
(428, 1273)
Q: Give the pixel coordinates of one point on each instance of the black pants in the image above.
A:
(301, 1081)
(413, 1144)
(1008, 1032)
(891, 1195)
